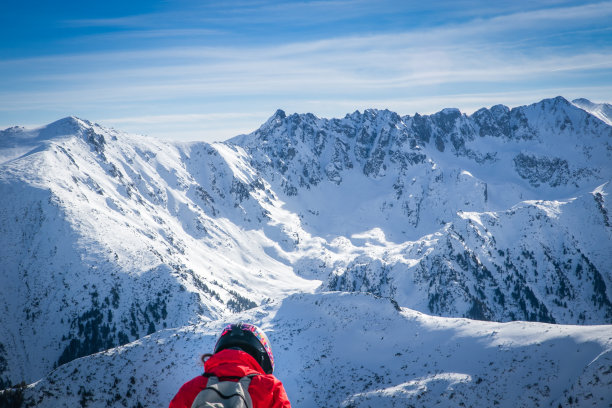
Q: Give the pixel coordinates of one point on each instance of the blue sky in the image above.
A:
(208, 70)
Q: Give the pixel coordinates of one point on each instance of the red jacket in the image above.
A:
(265, 390)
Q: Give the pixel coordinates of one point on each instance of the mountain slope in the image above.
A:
(107, 237)
(531, 262)
(346, 350)
(601, 111)
(481, 216)
(102, 244)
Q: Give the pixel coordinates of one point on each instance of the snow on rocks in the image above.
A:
(503, 215)
(354, 350)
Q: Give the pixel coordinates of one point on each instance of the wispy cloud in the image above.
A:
(338, 66)
(184, 118)
(509, 55)
(138, 21)
(189, 127)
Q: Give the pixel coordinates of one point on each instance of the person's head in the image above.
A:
(250, 339)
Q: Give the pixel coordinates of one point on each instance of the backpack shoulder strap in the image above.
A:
(246, 380)
(212, 380)
(228, 377)
(224, 389)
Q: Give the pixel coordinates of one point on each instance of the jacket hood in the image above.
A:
(228, 363)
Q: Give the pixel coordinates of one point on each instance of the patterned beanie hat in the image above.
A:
(250, 339)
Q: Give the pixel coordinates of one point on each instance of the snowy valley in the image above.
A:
(437, 260)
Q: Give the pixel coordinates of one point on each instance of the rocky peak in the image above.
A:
(313, 149)
(273, 122)
(280, 114)
(499, 110)
(307, 149)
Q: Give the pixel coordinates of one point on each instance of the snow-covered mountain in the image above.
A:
(502, 215)
(107, 237)
(481, 216)
(602, 111)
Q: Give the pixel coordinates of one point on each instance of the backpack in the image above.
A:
(224, 394)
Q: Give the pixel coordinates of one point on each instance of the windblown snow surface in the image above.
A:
(601, 111)
(440, 260)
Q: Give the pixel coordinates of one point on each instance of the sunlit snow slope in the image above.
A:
(351, 350)
(502, 215)
(107, 237)
(602, 111)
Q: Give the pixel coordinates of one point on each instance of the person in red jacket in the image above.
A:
(242, 350)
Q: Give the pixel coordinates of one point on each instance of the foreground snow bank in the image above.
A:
(354, 350)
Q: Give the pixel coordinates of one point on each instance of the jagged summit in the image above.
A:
(557, 100)
(523, 122)
(276, 118)
(449, 112)
(373, 140)
(280, 114)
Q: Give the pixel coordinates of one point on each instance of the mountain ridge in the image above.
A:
(602, 111)
(443, 213)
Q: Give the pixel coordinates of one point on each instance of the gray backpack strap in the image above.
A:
(212, 380)
(225, 394)
(244, 383)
